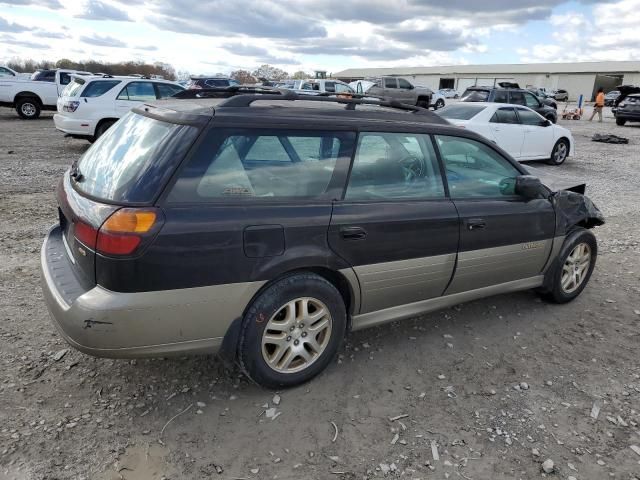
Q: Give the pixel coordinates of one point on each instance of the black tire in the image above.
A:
(456, 96)
(424, 103)
(439, 104)
(101, 128)
(554, 291)
(620, 122)
(558, 155)
(265, 307)
(28, 108)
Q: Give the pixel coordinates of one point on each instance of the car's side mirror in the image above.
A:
(530, 187)
(546, 123)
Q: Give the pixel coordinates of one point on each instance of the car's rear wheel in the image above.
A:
(423, 102)
(28, 108)
(573, 267)
(292, 330)
(439, 104)
(559, 153)
(101, 128)
(620, 122)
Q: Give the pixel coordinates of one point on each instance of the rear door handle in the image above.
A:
(353, 233)
(476, 224)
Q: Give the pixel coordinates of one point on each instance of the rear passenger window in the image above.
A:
(475, 170)
(138, 91)
(99, 87)
(501, 96)
(391, 166)
(390, 83)
(259, 164)
(504, 115)
(165, 90)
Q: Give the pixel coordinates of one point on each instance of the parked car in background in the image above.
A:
(627, 106)
(294, 84)
(9, 72)
(29, 97)
(197, 83)
(89, 106)
(437, 101)
(518, 130)
(401, 90)
(449, 93)
(513, 95)
(326, 86)
(361, 86)
(561, 95)
(611, 97)
(269, 232)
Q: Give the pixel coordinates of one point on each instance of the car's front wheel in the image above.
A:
(560, 152)
(573, 267)
(620, 122)
(292, 331)
(439, 104)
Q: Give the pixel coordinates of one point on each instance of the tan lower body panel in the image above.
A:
(113, 324)
(491, 266)
(388, 284)
(413, 309)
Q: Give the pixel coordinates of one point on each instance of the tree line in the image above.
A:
(94, 66)
(264, 72)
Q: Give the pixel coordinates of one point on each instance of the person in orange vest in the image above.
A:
(597, 108)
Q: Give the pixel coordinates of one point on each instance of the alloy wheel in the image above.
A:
(575, 268)
(296, 335)
(560, 153)
(28, 109)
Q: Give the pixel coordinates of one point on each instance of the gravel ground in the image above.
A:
(485, 390)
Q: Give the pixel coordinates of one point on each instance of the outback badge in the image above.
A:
(532, 245)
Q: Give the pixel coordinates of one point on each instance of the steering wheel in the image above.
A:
(412, 167)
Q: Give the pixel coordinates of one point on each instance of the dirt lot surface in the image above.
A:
(484, 390)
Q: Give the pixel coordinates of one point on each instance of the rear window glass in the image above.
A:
(73, 89)
(130, 162)
(475, 96)
(99, 87)
(262, 164)
(460, 112)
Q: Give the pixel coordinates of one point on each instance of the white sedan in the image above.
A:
(518, 130)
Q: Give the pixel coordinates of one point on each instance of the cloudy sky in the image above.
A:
(208, 36)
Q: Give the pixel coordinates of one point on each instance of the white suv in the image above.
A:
(88, 106)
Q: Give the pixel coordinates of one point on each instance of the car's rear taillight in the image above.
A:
(71, 106)
(122, 233)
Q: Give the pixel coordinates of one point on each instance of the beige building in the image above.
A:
(577, 78)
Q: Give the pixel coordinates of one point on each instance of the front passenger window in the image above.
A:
(474, 170)
(391, 166)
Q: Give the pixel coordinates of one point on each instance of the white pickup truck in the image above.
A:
(29, 97)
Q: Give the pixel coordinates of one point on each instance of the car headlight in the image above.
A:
(621, 104)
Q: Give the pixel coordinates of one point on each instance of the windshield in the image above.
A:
(73, 88)
(460, 112)
(130, 162)
(475, 96)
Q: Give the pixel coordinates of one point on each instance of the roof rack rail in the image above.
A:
(224, 92)
(350, 103)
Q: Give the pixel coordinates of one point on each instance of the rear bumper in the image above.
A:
(126, 325)
(74, 126)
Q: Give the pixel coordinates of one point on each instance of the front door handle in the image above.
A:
(476, 224)
(353, 233)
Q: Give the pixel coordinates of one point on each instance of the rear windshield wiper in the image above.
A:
(75, 172)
